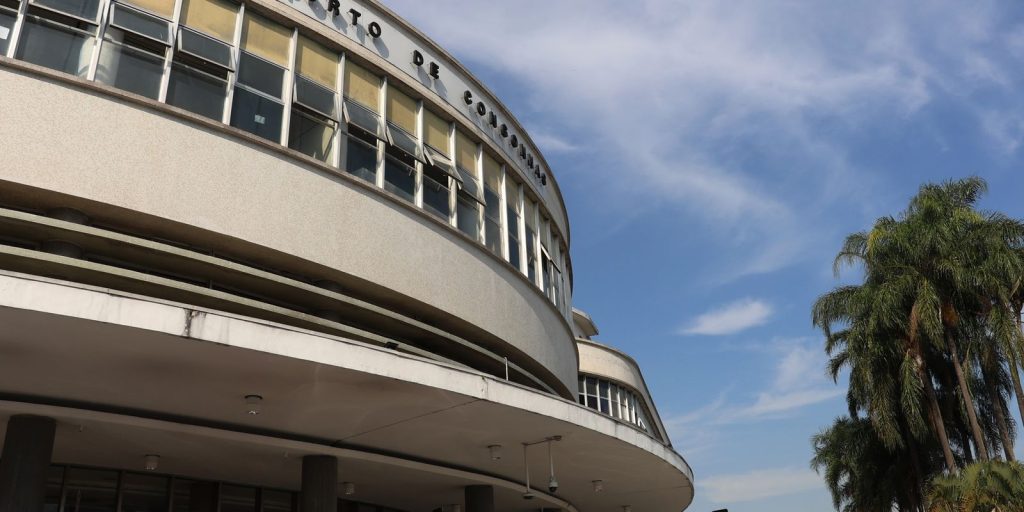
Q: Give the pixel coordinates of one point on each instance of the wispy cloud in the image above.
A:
(798, 381)
(730, 318)
(759, 484)
(716, 108)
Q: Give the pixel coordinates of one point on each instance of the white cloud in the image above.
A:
(731, 318)
(668, 96)
(798, 381)
(759, 484)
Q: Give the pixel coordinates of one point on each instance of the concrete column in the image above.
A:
(319, 483)
(28, 447)
(479, 498)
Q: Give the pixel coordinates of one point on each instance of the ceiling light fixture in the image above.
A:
(152, 461)
(598, 485)
(252, 404)
(495, 450)
(348, 488)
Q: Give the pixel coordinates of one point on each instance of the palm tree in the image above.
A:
(987, 486)
(861, 473)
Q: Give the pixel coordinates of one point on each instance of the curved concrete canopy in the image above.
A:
(193, 367)
(182, 174)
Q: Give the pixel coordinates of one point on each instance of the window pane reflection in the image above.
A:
(256, 114)
(130, 69)
(197, 92)
(6, 29)
(311, 136)
(55, 46)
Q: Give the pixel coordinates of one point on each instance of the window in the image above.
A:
(88, 10)
(143, 493)
(531, 240)
(162, 8)
(262, 65)
(470, 194)
(197, 91)
(315, 117)
(133, 52)
(90, 490)
(512, 198)
(436, 192)
(361, 156)
(59, 42)
(7, 19)
(203, 60)
(360, 110)
(190, 495)
(54, 484)
(275, 501)
(214, 18)
(612, 399)
(235, 498)
(402, 121)
(492, 202)
(400, 173)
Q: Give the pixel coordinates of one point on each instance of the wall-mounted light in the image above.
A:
(495, 450)
(598, 485)
(151, 462)
(252, 404)
(627, 508)
(348, 488)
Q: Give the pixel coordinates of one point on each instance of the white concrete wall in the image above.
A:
(60, 138)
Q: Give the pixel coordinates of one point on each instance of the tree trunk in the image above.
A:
(965, 393)
(1018, 390)
(997, 409)
(936, 414)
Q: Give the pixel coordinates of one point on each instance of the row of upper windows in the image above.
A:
(216, 59)
(614, 400)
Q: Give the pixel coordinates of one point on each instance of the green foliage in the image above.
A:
(931, 338)
(980, 487)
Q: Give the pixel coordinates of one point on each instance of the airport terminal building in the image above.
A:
(290, 255)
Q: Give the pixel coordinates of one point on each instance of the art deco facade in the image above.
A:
(290, 255)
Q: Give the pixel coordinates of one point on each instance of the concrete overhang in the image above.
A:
(155, 376)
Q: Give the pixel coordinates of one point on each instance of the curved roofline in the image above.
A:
(469, 75)
(646, 391)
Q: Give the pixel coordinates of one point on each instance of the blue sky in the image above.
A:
(714, 154)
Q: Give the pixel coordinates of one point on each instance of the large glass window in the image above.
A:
(436, 192)
(402, 121)
(314, 120)
(235, 498)
(7, 19)
(54, 486)
(256, 114)
(512, 198)
(492, 201)
(531, 240)
(133, 53)
(470, 193)
(612, 399)
(90, 490)
(362, 114)
(83, 9)
(191, 495)
(162, 8)
(275, 501)
(197, 91)
(62, 43)
(144, 493)
(202, 62)
(400, 174)
(257, 107)
(361, 155)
